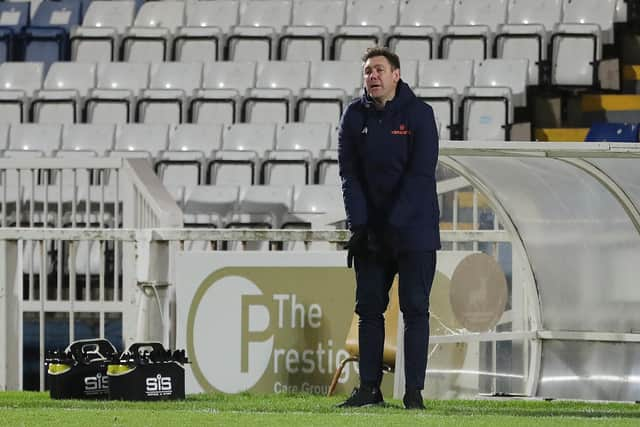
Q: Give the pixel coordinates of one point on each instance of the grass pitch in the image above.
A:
(29, 408)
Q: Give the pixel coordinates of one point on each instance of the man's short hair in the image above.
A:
(393, 59)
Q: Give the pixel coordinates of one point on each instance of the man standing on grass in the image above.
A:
(388, 151)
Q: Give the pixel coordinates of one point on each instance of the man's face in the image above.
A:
(380, 79)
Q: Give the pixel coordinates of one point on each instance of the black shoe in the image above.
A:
(363, 396)
(413, 399)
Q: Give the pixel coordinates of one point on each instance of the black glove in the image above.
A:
(357, 245)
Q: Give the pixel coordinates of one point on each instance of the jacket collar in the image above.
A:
(404, 94)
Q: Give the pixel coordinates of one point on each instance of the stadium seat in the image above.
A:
(487, 113)
(40, 139)
(18, 81)
(429, 13)
(441, 83)
(327, 168)
(445, 102)
(345, 75)
(511, 73)
(206, 24)
(170, 85)
(293, 75)
(190, 146)
(409, 71)
(26, 141)
(298, 146)
(81, 141)
(243, 147)
(315, 207)
(306, 39)
(455, 73)
(267, 105)
(14, 17)
(575, 52)
(523, 41)
(141, 140)
(96, 139)
(413, 43)
(474, 24)
(526, 34)
(367, 22)
(223, 83)
(499, 86)
(66, 86)
(117, 86)
(260, 206)
(331, 82)
(209, 205)
(600, 12)
(465, 42)
(420, 24)
(542, 12)
(47, 39)
(276, 84)
(98, 39)
(260, 22)
(148, 39)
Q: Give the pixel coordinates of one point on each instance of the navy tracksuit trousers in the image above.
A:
(374, 277)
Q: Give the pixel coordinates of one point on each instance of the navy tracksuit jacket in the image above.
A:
(387, 161)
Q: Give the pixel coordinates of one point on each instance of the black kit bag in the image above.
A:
(147, 371)
(80, 371)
